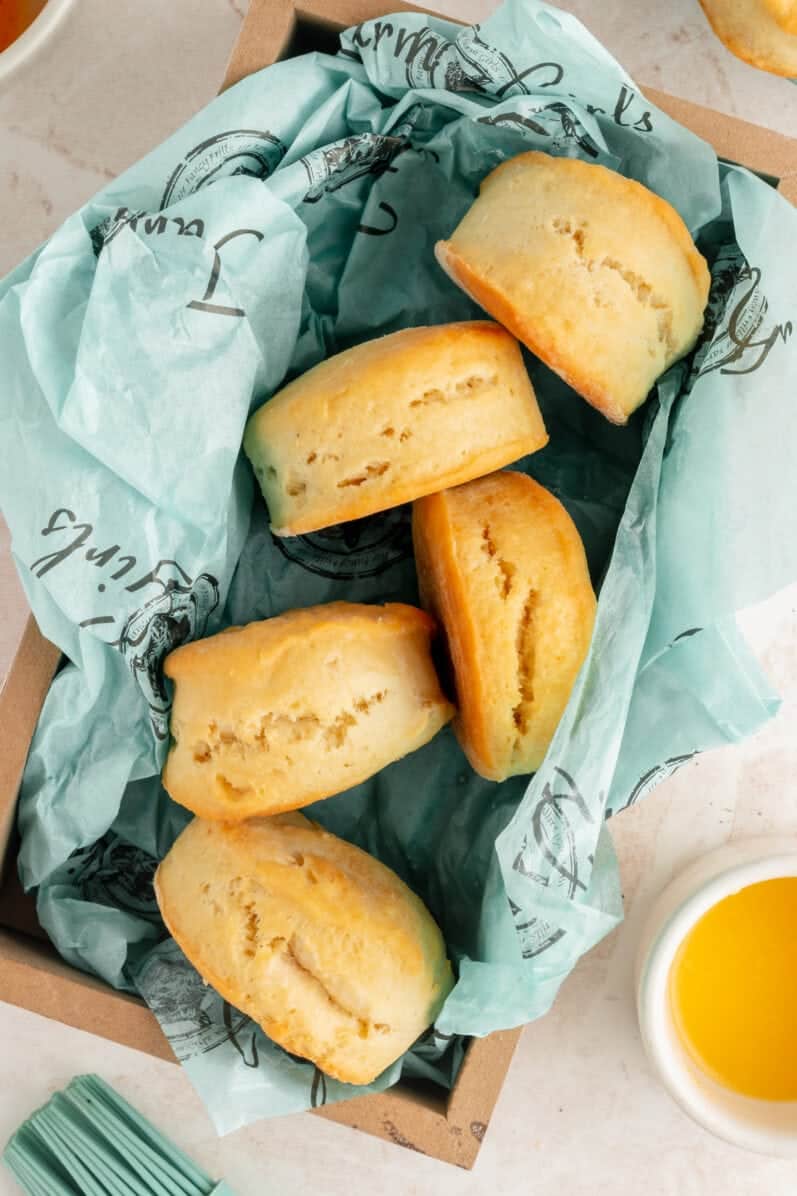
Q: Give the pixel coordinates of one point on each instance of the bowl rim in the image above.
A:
(30, 41)
(680, 906)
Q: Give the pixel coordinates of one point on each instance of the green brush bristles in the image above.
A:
(87, 1141)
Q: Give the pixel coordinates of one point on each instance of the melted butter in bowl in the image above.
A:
(733, 991)
(716, 982)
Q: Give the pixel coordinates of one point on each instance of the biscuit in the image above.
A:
(502, 566)
(318, 942)
(281, 713)
(390, 420)
(598, 276)
(761, 32)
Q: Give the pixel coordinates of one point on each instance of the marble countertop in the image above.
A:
(581, 1110)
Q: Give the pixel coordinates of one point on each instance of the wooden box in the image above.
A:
(449, 1126)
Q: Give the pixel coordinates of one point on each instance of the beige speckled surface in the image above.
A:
(581, 1111)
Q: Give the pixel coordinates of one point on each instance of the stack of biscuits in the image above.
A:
(320, 943)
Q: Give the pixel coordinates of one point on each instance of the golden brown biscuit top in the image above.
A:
(761, 32)
(316, 879)
(235, 647)
(602, 184)
(332, 378)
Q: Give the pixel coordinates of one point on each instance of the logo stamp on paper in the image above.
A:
(333, 166)
(486, 68)
(535, 934)
(189, 1011)
(556, 121)
(179, 613)
(551, 857)
(149, 224)
(468, 64)
(553, 825)
(252, 152)
(115, 873)
(739, 332)
(650, 779)
(361, 548)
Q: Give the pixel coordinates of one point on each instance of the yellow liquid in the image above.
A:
(733, 991)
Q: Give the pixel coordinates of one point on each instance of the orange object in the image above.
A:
(762, 33)
(733, 989)
(15, 17)
(502, 568)
(373, 427)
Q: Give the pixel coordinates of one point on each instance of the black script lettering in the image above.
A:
(382, 29)
(624, 101)
(745, 344)
(419, 41)
(45, 563)
(131, 562)
(372, 231)
(101, 558)
(780, 332)
(155, 224)
(556, 72)
(515, 118)
(204, 303)
(194, 228)
(152, 578)
(249, 1058)
(318, 1089)
(121, 218)
(94, 622)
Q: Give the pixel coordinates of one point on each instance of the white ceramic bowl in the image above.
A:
(768, 1127)
(36, 33)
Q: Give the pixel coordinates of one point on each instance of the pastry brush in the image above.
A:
(88, 1141)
